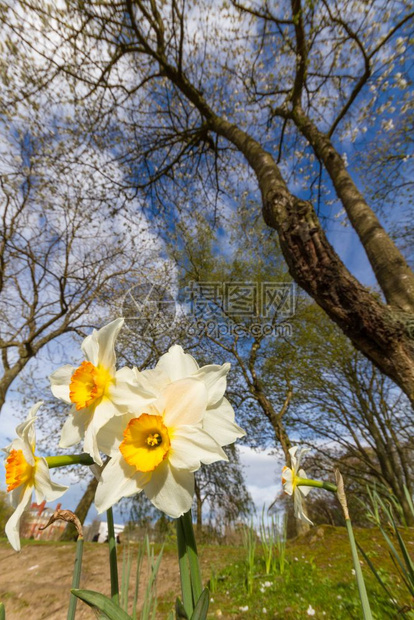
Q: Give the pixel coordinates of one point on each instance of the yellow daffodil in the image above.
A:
(160, 446)
(290, 476)
(96, 391)
(26, 472)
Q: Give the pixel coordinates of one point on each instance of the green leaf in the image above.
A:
(180, 612)
(2, 612)
(377, 575)
(201, 609)
(103, 603)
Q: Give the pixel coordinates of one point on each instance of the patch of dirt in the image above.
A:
(35, 583)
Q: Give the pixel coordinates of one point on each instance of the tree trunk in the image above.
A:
(10, 374)
(393, 274)
(379, 332)
(199, 508)
(81, 511)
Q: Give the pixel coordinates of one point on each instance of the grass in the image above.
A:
(318, 573)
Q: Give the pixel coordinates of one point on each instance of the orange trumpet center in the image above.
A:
(146, 442)
(88, 384)
(18, 470)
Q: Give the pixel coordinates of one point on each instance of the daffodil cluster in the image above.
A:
(157, 426)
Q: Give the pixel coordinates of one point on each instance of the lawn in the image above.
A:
(317, 580)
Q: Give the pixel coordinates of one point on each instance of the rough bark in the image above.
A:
(393, 274)
(199, 507)
(379, 332)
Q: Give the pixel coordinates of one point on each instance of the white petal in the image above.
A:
(97, 471)
(191, 446)
(176, 364)
(224, 408)
(214, 377)
(287, 480)
(301, 453)
(171, 490)
(298, 508)
(305, 490)
(12, 528)
(73, 430)
(155, 380)
(102, 414)
(111, 435)
(219, 423)
(26, 430)
(106, 341)
(118, 479)
(131, 392)
(90, 445)
(184, 402)
(90, 348)
(292, 452)
(60, 382)
(45, 488)
(19, 444)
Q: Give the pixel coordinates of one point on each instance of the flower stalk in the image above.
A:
(76, 578)
(69, 459)
(190, 573)
(113, 565)
(319, 484)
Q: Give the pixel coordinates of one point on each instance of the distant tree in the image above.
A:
(351, 414)
(5, 511)
(220, 491)
(60, 260)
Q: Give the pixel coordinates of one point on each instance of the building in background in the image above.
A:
(98, 531)
(38, 516)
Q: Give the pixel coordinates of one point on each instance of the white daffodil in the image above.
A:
(25, 472)
(289, 479)
(218, 419)
(96, 390)
(166, 442)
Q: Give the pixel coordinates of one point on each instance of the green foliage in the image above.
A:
(249, 543)
(5, 511)
(318, 572)
(273, 536)
(382, 512)
(102, 603)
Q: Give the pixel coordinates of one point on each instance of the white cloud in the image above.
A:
(262, 474)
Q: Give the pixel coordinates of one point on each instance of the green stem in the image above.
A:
(76, 578)
(112, 557)
(306, 482)
(69, 459)
(184, 569)
(195, 572)
(358, 573)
